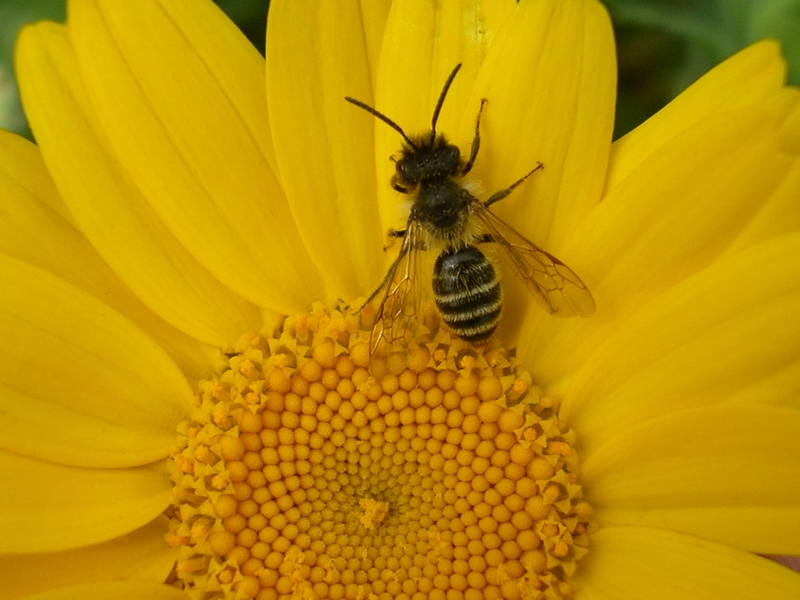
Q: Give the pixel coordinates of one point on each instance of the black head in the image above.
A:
(430, 159)
(426, 155)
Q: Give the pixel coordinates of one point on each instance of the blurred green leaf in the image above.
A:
(778, 19)
(690, 37)
(250, 16)
(13, 15)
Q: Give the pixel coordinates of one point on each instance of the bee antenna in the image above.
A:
(383, 118)
(442, 96)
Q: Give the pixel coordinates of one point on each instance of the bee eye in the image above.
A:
(408, 172)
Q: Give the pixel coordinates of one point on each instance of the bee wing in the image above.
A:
(400, 302)
(553, 284)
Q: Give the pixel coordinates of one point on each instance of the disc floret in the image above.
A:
(302, 474)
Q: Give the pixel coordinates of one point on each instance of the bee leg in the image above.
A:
(389, 273)
(476, 141)
(486, 238)
(392, 235)
(399, 188)
(497, 196)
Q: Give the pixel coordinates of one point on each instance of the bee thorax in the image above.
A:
(442, 209)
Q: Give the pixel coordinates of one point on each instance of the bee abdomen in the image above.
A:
(467, 293)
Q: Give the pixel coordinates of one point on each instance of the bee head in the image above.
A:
(425, 156)
(425, 160)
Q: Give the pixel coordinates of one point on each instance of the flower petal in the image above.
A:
(547, 72)
(675, 214)
(374, 14)
(141, 555)
(117, 590)
(423, 43)
(746, 79)
(46, 507)
(779, 214)
(81, 376)
(180, 94)
(37, 228)
(630, 563)
(317, 53)
(550, 81)
(109, 208)
(730, 332)
(537, 103)
(728, 473)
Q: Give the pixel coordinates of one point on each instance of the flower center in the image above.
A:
(301, 476)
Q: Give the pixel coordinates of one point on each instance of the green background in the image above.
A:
(662, 45)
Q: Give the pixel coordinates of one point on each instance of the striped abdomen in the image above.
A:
(467, 293)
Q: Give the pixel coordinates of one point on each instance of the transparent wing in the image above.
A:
(398, 308)
(552, 283)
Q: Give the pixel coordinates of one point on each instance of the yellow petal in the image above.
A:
(48, 507)
(550, 81)
(423, 43)
(547, 72)
(779, 214)
(374, 14)
(729, 332)
(746, 79)
(727, 472)
(317, 53)
(141, 555)
(37, 228)
(675, 214)
(402, 89)
(118, 590)
(631, 563)
(107, 206)
(180, 94)
(81, 377)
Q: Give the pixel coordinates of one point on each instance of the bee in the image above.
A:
(445, 214)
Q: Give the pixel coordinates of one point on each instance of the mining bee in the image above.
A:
(446, 215)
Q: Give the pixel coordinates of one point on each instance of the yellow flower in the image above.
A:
(171, 207)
